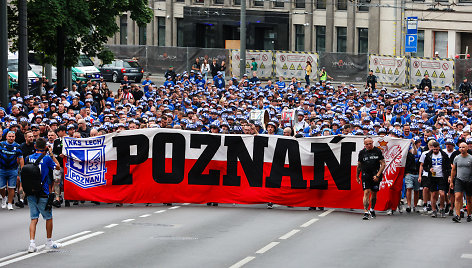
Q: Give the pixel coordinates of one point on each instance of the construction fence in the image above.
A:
(397, 71)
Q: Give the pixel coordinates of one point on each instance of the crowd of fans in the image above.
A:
(210, 102)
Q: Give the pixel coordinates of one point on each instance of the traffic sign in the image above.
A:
(411, 41)
(411, 25)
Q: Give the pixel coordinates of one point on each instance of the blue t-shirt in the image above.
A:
(9, 154)
(45, 165)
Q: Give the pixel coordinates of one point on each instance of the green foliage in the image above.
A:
(87, 25)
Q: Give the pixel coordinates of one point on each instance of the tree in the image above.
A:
(63, 29)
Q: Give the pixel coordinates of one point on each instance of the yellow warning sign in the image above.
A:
(285, 66)
(434, 75)
(299, 67)
(262, 66)
(292, 67)
(383, 70)
(396, 71)
(377, 70)
(442, 75)
(426, 72)
(418, 73)
(390, 71)
(247, 64)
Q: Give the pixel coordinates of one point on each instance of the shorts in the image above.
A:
(438, 184)
(8, 176)
(411, 182)
(58, 174)
(461, 186)
(37, 205)
(425, 181)
(368, 183)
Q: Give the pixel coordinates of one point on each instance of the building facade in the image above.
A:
(346, 26)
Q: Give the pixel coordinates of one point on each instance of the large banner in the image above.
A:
(265, 63)
(390, 70)
(345, 67)
(440, 71)
(292, 64)
(176, 166)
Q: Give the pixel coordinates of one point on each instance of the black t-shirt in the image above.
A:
(370, 160)
(27, 149)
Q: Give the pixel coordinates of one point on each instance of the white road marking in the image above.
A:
(242, 262)
(174, 207)
(42, 246)
(267, 247)
(111, 225)
(29, 255)
(160, 211)
(128, 220)
(308, 223)
(289, 234)
(466, 256)
(326, 213)
(470, 241)
(81, 238)
(145, 215)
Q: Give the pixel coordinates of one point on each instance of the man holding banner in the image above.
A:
(371, 163)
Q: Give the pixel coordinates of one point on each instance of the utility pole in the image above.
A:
(3, 54)
(242, 40)
(22, 48)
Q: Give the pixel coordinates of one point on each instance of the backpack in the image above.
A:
(31, 178)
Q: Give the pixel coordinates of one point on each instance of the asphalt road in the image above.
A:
(188, 235)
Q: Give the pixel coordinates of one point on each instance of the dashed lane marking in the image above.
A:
(308, 223)
(128, 220)
(289, 234)
(111, 225)
(326, 213)
(145, 215)
(466, 256)
(267, 247)
(174, 207)
(160, 211)
(242, 262)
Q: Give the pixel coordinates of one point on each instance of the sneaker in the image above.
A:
(321, 208)
(456, 219)
(20, 204)
(312, 208)
(270, 205)
(67, 203)
(420, 203)
(4, 202)
(448, 206)
(425, 209)
(451, 212)
(168, 204)
(98, 203)
(429, 208)
(10, 206)
(462, 214)
(366, 216)
(56, 203)
(53, 245)
(443, 213)
(469, 218)
(408, 209)
(215, 204)
(76, 203)
(434, 214)
(32, 248)
(372, 214)
(209, 204)
(389, 212)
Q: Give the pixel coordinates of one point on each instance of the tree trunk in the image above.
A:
(60, 61)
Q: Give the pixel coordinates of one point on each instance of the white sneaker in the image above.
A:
(4, 202)
(420, 203)
(32, 248)
(53, 245)
(389, 212)
(10, 206)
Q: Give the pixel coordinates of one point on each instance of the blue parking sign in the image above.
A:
(411, 41)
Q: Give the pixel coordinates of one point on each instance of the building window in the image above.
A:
(237, 2)
(279, 3)
(341, 39)
(258, 3)
(299, 3)
(161, 31)
(440, 44)
(320, 4)
(142, 35)
(124, 30)
(420, 45)
(299, 37)
(363, 5)
(363, 41)
(320, 38)
(180, 33)
(219, 2)
(342, 4)
(199, 1)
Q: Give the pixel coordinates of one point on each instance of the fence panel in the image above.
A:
(264, 60)
(292, 64)
(390, 70)
(440, 71)
(462, 69)
(344, 67)
(220, 54)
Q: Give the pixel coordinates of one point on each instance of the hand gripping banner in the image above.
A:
(175, 166)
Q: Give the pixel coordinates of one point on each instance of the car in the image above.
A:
(117, 69)
(85, 70)
(12, 69)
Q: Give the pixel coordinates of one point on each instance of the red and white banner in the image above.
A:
(175, 166)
